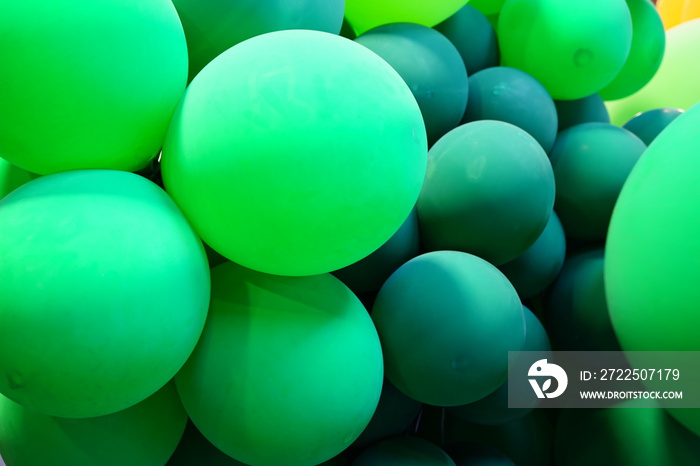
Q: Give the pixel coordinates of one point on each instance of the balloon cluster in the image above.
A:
(200, 201)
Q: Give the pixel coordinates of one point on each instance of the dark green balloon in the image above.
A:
(195, 449)
(647, 125)
(432, 68)
(536, 268)
(474, 37)
(489, 191)
(145, 434)
(589, 109)
(12, 177)
(507, 94)
(403, 451)
(591, 162)
(474, 454)
(446, 321)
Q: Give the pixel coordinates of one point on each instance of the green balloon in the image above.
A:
(432, 68)
(195, 449)
(591, 163)
(288, 369)
(104, 290)
(88, 84)
(589, 109)
(447, 320)
(510, 95)
(646, 126)
(404, 451)
(12, 177)
(487, 7)
(489, 191)
(296, 153)
(473, 36)
(536, 268)
(145, 434)
(364, 15)
(646, 51)
(574, 48)
(213, 26)
(474, 454)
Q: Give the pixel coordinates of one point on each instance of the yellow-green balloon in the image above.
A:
(574, 48)
(288, 370)
(145, 434)
(367, 14)
(296, 153)
(88, 84)
(104, 290)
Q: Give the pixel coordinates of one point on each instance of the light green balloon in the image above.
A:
(674, 85)
(88, 84)
(296, 153)
(574, 48)
(367, 14)
(104, 289)
(145, 434)
(12, 177)
(288, 370)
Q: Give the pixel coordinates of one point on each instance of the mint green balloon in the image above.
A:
(574, 48)
(296, 153)
(104, 289)
(88, 84)
(288, 370)
(12, 177)
(145, 434)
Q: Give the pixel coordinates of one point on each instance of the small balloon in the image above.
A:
(647, 125)
(364, 15)
(589, 109)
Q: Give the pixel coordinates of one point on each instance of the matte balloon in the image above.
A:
(213, 26)
(646, 51)
(510, 95)
(432, 68)
(591, 163)
(646, 126)
(447, 320)
(104, 290)
(145, 434)
(88, 85)
(296, 153)
(489, 191)
(573, 48)
(406, 451)
(367, 14)
(12, 177)
(589, 109)
(288, 369)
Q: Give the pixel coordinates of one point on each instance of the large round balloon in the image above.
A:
(12, 177)
(88, 84)
(288, 369)
(145, 434)
(489, 191)
(296, 152)
(447, 320)
(213, 26)
(574, 48)
(104, 290)
(647, 125)
(367, 14)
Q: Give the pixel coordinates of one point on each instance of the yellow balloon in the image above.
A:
(690, 11)
(670, 12)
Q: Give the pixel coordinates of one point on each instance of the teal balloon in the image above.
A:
(104, 290)
(432, 68)
(212, 26)
(535, 269)
(12, 177)
(589, 109)
(591, 163)
(510, 95)
(489, 191)
(288, 369)
(145, 434)
(474, 36)
(405, 451)
(447, 320)
(474, 454)
(647, 125)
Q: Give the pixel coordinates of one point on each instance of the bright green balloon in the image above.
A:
(104, 290)
(489, 191)
(296, 153)
(487, 7)
(589, 109)
(405, 451)
(213, 26)
(447, 320)
(646, 126)
(674, 84)
(288, 369)
(367, 14)
(646, 51)
(88, 84)
(574, 48)
(12, 177)
(145, 434)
